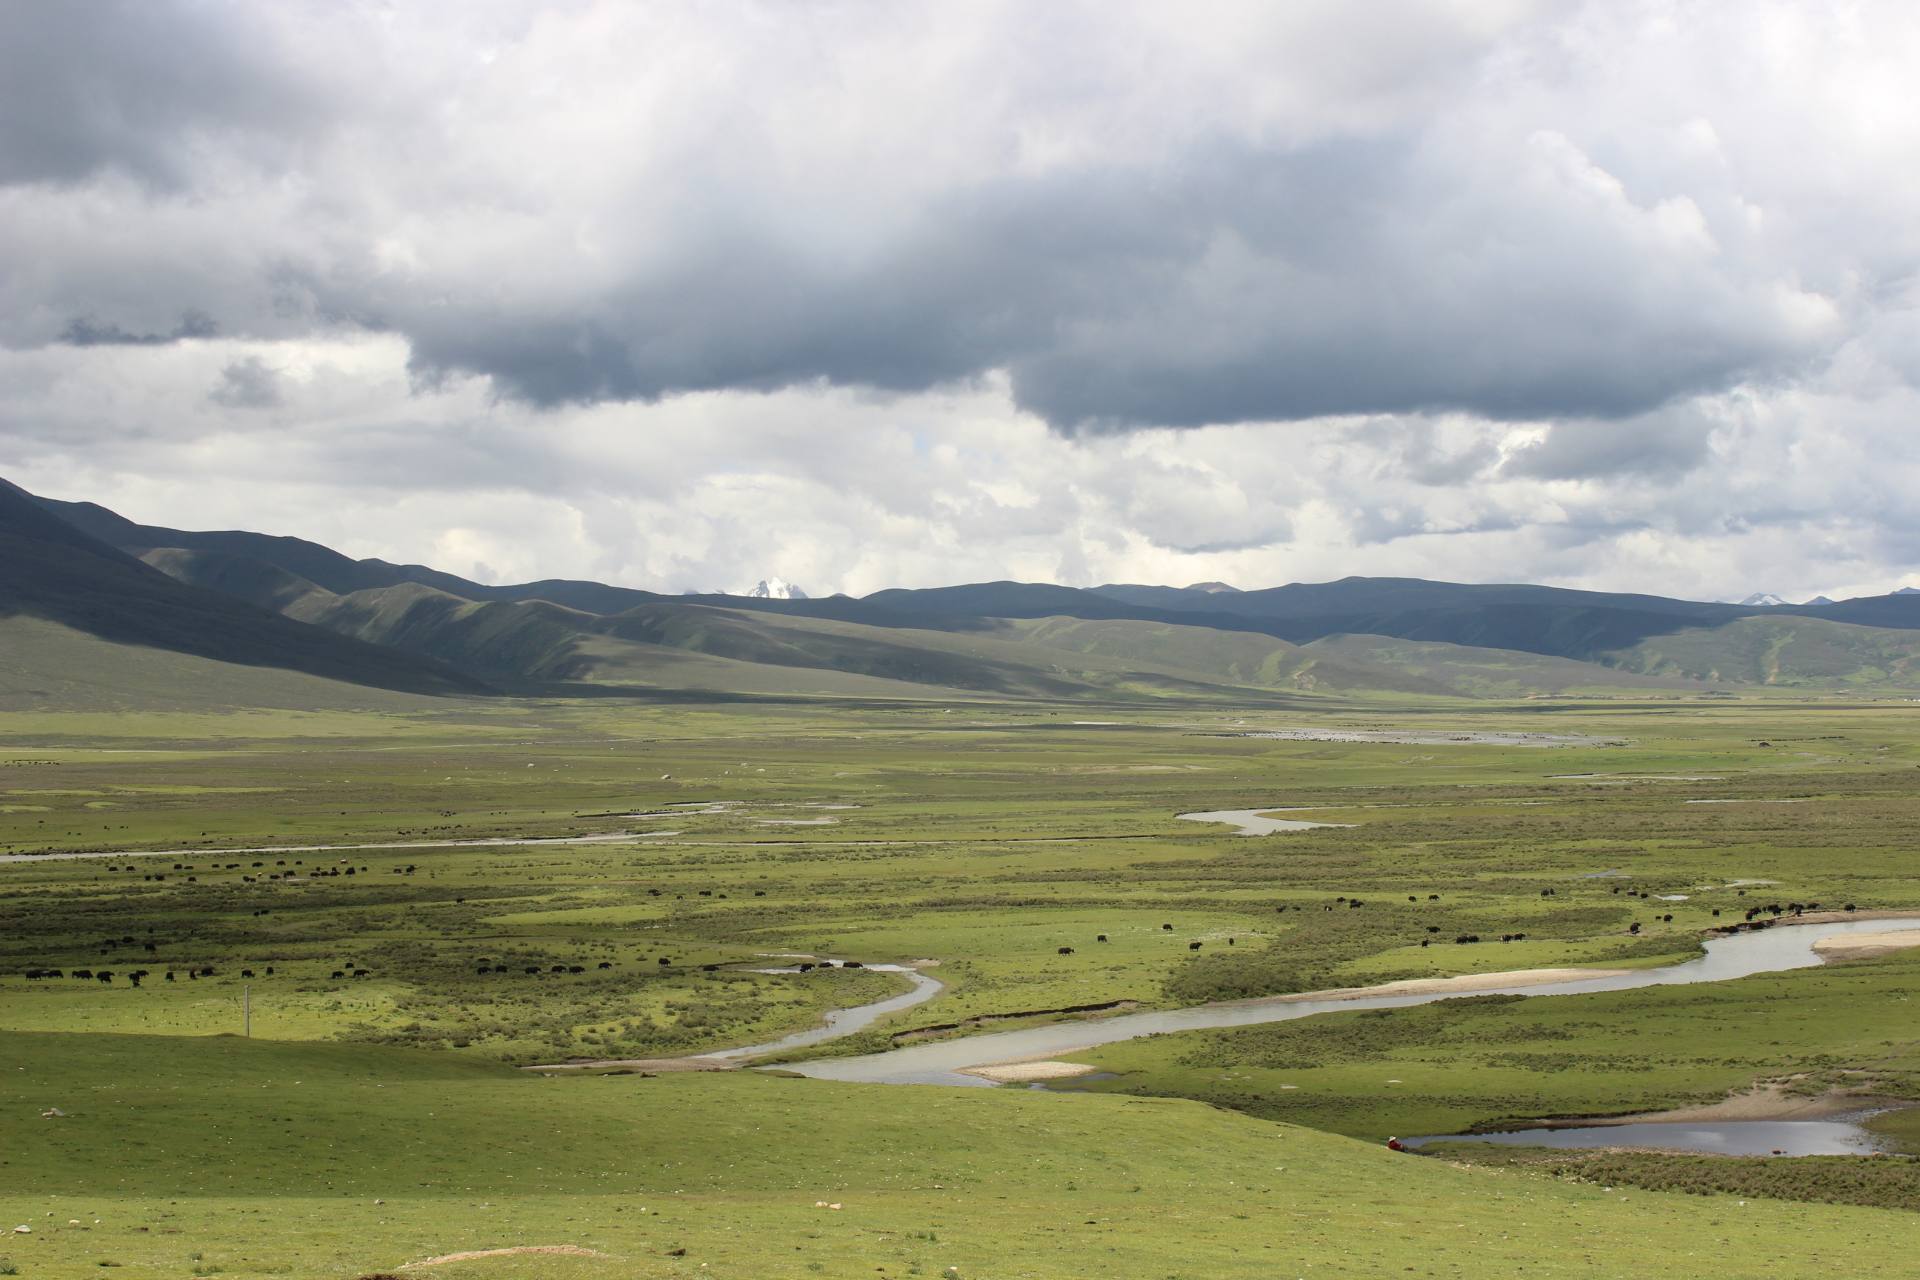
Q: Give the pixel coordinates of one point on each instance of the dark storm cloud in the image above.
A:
(1252, 542)
(304, 168)
(1249, 285)
(86, 332)
(142, 87)
(966, 288)
(1664, 445)
(248, 383)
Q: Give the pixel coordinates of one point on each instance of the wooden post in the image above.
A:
(246, 1010)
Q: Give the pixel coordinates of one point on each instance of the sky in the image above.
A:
(1618, 295)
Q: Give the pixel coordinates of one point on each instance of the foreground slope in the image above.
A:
(254, 1158)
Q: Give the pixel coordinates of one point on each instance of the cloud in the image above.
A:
(681, 295)
(1803, 491)
(159, 90)
(1666, 445)
(84, 332)
(247, 383)
(1255, 213)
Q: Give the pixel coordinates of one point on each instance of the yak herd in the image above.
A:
(1753, 920)
(315, 874)
(1759, 917)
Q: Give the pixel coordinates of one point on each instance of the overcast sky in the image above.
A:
(681, 295)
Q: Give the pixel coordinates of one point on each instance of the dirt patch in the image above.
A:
(1860, 946)
(1028, 1072)
(569, 1250)
(1768, 1101)
(1441, 986)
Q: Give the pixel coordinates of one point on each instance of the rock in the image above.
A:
(23, 1230)
(52, 1113)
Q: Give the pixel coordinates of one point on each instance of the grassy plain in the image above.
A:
(219, 1156)
(984, 836)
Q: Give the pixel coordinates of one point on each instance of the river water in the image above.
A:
(844, 1022)
(942, 1062)
(1835, 1136)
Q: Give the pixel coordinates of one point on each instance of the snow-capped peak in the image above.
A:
(776, 589)
(1763, 600)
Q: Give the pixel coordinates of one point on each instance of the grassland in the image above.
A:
(983, 836)
(218, 1156)
(1486, 1061)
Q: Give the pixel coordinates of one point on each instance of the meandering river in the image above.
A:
(943, 1062)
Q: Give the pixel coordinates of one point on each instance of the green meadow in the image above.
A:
(378, 856)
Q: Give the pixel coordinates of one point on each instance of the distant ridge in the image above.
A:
(1020, 639)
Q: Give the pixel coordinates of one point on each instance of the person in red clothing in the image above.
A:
(1394, 1144)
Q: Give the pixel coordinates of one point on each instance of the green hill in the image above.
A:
(1468, 671)
(697, 646)
(1783, 652)
(53, 572)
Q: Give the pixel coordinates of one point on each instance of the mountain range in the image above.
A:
(75, 576)
(1768, 600)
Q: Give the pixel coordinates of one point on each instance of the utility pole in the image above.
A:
(246, 1010)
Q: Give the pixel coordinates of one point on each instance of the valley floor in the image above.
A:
(376, 1117)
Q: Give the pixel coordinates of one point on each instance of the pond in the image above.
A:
(1835, 1136)
(1255, 822)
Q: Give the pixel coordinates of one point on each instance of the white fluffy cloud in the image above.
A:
(867, 294)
